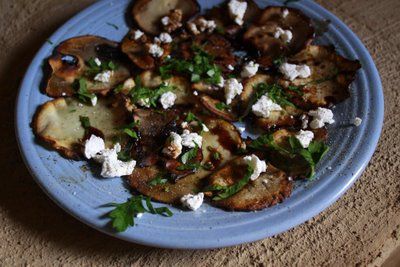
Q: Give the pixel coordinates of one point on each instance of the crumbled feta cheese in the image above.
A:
(174, 147)
(80, 105)
(192, 202)
(259, 166)
(264, 106)
(155, 50)
(167, 100)
(206, 25)
(230, 67)
(237, 10)
(144, 102)
(249, 70)
(111, 166)
(63, 94)
(241, 129)
(184, 125)
(320, 117)
(232, 88)
(165, 20)
(190, 139)
(285, 13)
(139, 215)
(196, 93)
(93, 100)
(304, 121)
(93, 145)
(284, 35)
(193, 28)
(129, 84)
(265, 182)
(137, 34)
(97, 61)
(165, 38)
(204, 128)
(104, 76)
(292, 71)
(305, 138)
(357, 121)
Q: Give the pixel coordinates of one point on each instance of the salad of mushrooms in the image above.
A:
(169, 108)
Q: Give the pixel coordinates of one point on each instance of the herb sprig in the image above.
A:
(275, 92)
(122, 216)
(94, 68)
(140, 92)
(82, 91)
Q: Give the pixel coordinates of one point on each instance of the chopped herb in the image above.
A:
(296, 89)
(222, 106)
(191, 117)
(94, 69)
(72, 111)
(207, 166)
(216, 155)
(125, 153)
(189, 166)
(189, 155)
(85, 122)
(118, 89)
(122, 216)
(131, 133)
(200, 68)
(81, 89)
(220, 30)
(141, 92)
(279, 61)
(228, 191)
(266, 141)
(127, 129)
(275, 92)
(157, 181)
(113, 25)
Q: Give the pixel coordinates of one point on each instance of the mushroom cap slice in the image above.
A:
(68, 63)
(269, 189)
(331, 76)
(261, 33)
(222, 138)
(148, 13)
(57, 123)
(211, 104)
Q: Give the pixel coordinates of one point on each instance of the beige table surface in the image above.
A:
(362, 228)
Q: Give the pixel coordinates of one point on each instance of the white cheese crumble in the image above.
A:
(249, 70)
(93, 145)
(165, 20)
(357, 121)
(241, 129)
(174, 147)
(137, 34)
(305, 138)
(104, 76)
(129, 84)
(259, 166)
(292, 71)
(285, 35)
(230, 67)
(167, 100)
(196, 93)
(304, 121)
(144, 102)
(165, 38)
(237, 9)
(193, 28)
(232, 88)
(320, 117)
(155, 50)
(111, 165)
(204, 128)
(221, 82)
(190, 139)
(264, 106)
(93, 100)
(202, 26)
(139, 215)
(184, 125)
(265, 182)
(285, 13)
(97, 61)
(192, 202)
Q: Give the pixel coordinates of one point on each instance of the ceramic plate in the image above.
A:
(82, 195)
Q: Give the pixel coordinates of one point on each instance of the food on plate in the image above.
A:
(170, 107)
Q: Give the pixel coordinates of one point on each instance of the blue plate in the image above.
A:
(82, 195)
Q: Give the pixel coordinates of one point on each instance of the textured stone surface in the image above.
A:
(363, 227)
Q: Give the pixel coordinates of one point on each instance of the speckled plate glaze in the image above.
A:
(82, 195)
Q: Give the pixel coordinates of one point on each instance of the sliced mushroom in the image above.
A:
(57, 123)
(212, 105)
(69, 62)
(137, 49)
(148, 13)
(222, 138)
(269, 189)
(331, 76)
(261, 34)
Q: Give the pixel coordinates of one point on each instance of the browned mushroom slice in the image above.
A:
(70, 59)
(218, 108)
(148, 13)
(331, 76)
(58, 123)
(222, 138)
(137, 49)
(261, 34)
(269, 189)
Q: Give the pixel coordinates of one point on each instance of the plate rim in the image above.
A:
(229, 241)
